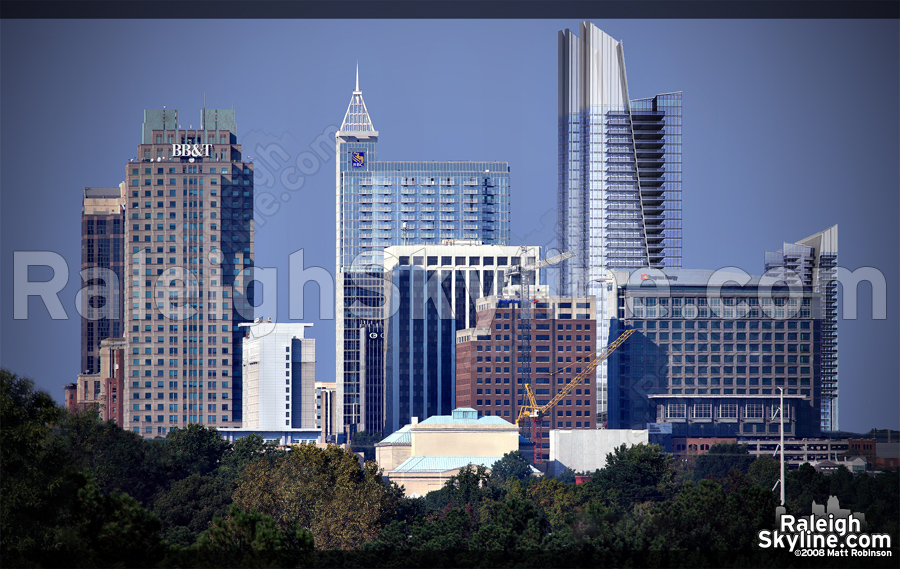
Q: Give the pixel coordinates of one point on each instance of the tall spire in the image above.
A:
(357, 120)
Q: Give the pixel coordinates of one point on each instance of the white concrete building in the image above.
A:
(279, 369)
(586, 450)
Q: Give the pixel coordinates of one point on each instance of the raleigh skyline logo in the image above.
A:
(191, 150)
(832, 533)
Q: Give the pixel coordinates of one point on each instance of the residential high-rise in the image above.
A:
(619, 199)
(188, 241)
(710, 357)
(434, 293)
(103, 257)
(813, 262)
(279, 377)
(380, 204)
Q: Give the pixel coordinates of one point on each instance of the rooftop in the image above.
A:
(464, 416)
(436, 464)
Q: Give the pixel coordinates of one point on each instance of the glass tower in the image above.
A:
(813, 262)
(382, 204)
(102, 246)
(619, 196)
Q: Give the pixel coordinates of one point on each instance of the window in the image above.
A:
(676, 411)
(702, 410)
(753, 411)
(728, 411)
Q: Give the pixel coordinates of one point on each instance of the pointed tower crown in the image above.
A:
(356, 120)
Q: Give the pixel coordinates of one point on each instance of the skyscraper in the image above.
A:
(619, 198)
(435, 289)
(813, 262)
(102, 256)
(188, 240)
(380, 204)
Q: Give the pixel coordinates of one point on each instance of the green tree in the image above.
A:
(324, 490)
(471, 485)
(764, 472)
(720, 459)
(191, 504)
(514, 524)
(558, 500)
(633, 475)
(249, 539)
(245, 451)
(802, 486)
(35, 479)
(116, 458)
(513, 466)
(195, 449)
(50, 513)
(108, 530)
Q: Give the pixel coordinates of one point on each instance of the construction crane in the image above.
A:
(536, 412)
(526, 277)
(526, 272)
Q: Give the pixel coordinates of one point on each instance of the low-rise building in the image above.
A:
(441, 445)
(104, 390)
(587, 450)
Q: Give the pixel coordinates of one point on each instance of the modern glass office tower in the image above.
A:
(813, 262)
(619, 198)
(188, 239)
(102, 256)
(380, 204)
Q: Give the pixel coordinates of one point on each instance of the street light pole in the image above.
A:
(781, 413)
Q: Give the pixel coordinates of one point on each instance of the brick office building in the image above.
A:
(495, 361)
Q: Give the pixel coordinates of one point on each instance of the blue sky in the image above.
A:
(790, 126)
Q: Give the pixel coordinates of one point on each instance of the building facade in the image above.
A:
(813, 262)
(381, 204)
(279, 372)
(102, 390)
(189, 257)
(710, 357)
(494, 364)
(619, 196)
(102, 266)
(423, 455)
(325, 410)
(434, 290)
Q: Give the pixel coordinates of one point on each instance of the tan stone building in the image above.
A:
(421, 457)
(105, 388)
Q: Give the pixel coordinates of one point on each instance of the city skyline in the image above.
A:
(732, 192)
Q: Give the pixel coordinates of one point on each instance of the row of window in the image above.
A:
(187, 170)
(184, 406)
(723, 410)
(174, 384)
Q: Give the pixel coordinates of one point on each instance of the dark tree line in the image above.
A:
(75, 491)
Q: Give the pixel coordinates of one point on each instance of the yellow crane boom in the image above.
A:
(532, 409)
